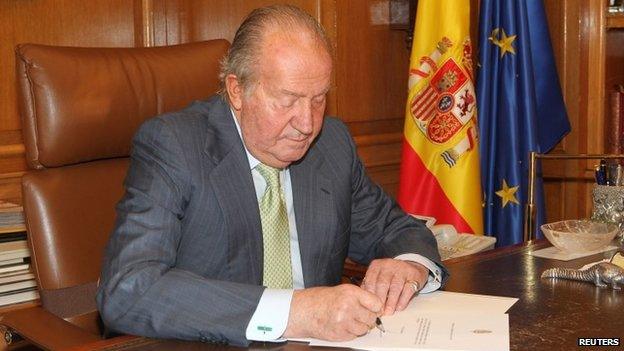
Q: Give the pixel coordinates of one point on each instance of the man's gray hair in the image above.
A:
(244, 54)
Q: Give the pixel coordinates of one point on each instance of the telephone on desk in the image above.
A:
(452, 244)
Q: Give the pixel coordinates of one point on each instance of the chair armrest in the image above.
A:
(43, 329)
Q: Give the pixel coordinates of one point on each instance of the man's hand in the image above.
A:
(337, 313)
(389, 279)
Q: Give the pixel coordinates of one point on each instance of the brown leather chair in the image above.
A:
(80, 108)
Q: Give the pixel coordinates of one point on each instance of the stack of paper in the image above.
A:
(17, 281)
(440, 321)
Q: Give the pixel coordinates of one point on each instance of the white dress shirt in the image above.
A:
(270, 319)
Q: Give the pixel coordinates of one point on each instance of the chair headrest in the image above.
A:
(84, 104)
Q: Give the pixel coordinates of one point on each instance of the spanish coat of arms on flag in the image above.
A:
(440, 163)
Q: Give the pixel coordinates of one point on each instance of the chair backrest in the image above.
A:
(80, 108)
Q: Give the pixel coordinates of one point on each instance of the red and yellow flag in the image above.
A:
(440, 162)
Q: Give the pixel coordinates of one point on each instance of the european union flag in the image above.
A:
(521, 109)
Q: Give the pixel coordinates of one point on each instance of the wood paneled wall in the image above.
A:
(562, 184)
(587, 62)
(369, 83)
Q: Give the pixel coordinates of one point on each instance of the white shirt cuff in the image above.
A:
(269, 321)
(434, 282)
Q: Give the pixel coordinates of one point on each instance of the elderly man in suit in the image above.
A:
(240, 210)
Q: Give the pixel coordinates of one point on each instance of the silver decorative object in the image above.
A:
(608, 202)
(601, 274)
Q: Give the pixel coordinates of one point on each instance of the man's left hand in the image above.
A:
(391, 280)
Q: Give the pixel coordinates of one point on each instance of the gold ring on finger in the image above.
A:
(414, 285)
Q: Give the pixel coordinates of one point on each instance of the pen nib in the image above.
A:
(379, 325)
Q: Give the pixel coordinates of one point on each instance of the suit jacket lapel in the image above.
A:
(233, 186)
(313, 204)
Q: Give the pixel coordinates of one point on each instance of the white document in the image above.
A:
(434, 331)
(453, 302)
(440, 321)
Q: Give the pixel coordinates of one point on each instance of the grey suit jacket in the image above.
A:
(185, 258)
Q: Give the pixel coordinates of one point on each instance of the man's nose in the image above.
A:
(303, 121)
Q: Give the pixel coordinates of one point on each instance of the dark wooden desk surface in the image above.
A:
(550, 315)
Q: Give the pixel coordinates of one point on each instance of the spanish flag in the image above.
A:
(440, 163)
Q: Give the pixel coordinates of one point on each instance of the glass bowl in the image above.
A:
(577, 236)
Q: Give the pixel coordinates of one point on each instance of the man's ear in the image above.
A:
(234, 90)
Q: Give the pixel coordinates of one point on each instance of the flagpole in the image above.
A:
(529, 212)
(530, 209)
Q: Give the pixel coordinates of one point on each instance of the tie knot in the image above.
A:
(270, 174)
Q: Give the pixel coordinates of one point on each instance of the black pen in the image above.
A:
(379, 326)
(358, 281)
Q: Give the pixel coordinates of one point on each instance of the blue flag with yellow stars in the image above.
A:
(521, 109)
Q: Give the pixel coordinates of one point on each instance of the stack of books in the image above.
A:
(17, 281)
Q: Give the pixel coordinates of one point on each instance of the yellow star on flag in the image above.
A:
(508, 194)
(505, 43)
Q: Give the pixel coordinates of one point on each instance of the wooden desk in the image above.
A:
(550, 315)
